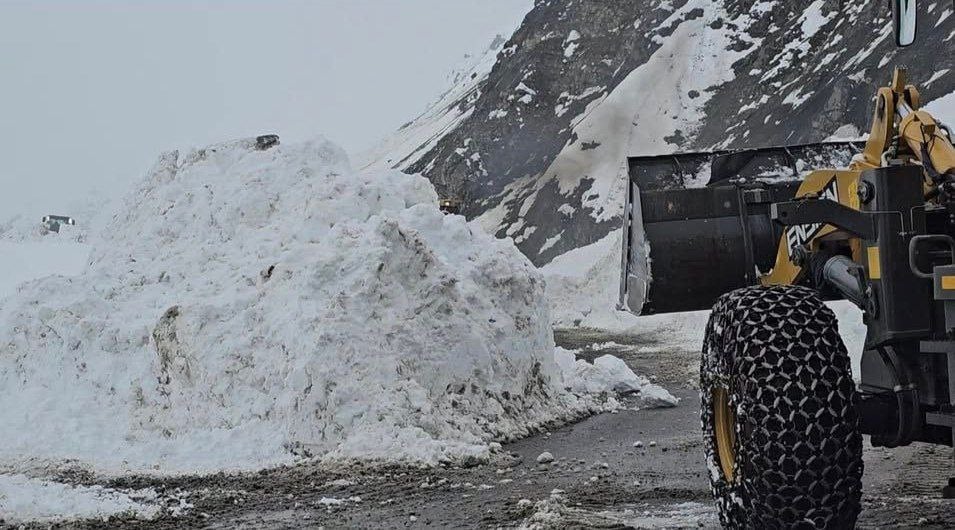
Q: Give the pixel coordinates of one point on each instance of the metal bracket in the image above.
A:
(825, 211)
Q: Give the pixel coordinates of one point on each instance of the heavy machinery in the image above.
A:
(782, 416)
(450, 205)
(52, 223)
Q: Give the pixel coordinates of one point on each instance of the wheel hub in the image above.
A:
(724, 429)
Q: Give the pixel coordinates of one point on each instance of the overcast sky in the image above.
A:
(92, 92)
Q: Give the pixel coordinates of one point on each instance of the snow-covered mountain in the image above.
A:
(443, 116)
(535, 141)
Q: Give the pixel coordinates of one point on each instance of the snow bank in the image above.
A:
(249, 307)
(25, 499)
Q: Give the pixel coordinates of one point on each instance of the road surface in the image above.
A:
(599, 479)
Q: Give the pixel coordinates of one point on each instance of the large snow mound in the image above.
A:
(246, 308)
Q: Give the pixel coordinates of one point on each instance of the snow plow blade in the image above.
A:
(697, 225)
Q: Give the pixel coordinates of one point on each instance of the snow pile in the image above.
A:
(21, 228)
(249, 307)
(610, 375)
(25, 499)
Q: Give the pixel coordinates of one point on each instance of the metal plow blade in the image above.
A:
(697, 225)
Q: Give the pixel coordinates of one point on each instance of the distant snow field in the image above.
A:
(22, 262)
(943, 109)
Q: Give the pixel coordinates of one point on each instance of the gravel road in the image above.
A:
(630, 469)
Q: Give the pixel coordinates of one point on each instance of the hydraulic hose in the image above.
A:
(838, 272)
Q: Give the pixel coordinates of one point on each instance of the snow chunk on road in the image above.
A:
(611, 375)
(247, 308)
(24, 499)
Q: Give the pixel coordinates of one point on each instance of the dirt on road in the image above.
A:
(629, 469)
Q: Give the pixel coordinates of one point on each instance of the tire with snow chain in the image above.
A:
(778, 407)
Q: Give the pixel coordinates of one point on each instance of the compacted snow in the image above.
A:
(246, 308)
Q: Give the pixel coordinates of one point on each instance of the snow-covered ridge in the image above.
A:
(421, 134)
(251, 307)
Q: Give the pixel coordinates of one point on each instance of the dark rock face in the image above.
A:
(525, 140)
(838, 73)
(692, 74)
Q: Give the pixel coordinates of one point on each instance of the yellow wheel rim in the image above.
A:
(724, 429)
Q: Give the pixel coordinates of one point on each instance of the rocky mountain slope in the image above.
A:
(535, 137)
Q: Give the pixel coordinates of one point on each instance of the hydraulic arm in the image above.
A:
(900, 127)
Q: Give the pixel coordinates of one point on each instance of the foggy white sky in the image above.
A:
(92, 92)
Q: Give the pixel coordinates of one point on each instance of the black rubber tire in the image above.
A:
(798, 452)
